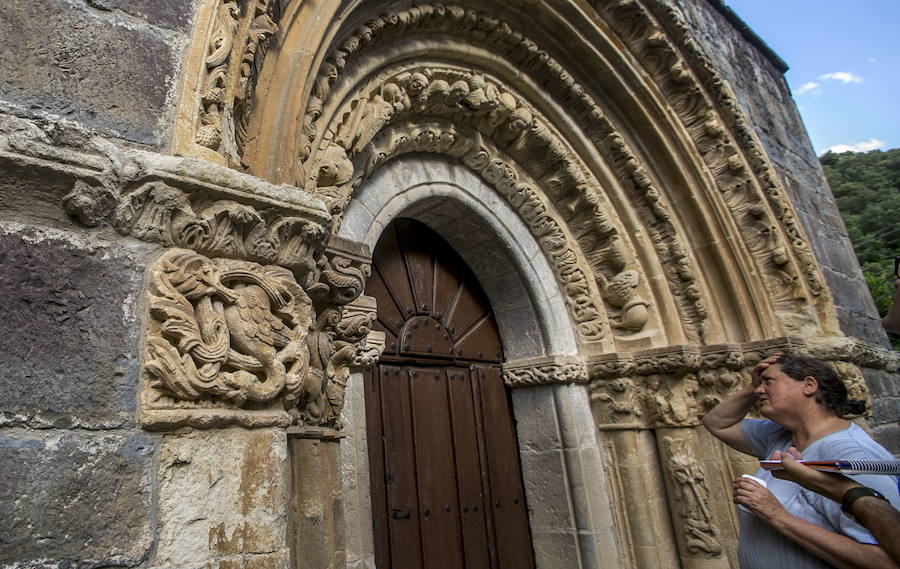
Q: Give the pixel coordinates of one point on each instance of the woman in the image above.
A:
(783, 525)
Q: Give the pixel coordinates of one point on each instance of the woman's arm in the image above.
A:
(839, 550)
(724, 420)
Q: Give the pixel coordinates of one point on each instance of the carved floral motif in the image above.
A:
(545, 372)
(234, 49)
(158, 212)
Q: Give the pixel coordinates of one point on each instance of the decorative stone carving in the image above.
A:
(662, 40)
(235, 47)
(617, 401)
(158, 212)
(544, 371)
(675, 386)
(688, 479)
(342, 340)
(233, 341)
(476, 153)
(227, 330)
(671, 400)
(498, 114)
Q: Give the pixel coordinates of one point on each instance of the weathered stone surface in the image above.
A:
(222, 499)
(68, 332)
(80, 64)
(75, 500)
(173, 14)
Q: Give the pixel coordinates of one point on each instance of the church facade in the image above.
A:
(356, 284)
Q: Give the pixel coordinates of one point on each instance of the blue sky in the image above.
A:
(845, 66)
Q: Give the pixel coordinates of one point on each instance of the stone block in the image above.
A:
(75, 499)
(99, 69)
(553, 550)
(888, 435)
(68, 329)
(221, 494)
(171, 14)
(536, 422)
(547, 494)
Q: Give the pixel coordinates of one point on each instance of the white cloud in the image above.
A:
(873, 60)
(872, 144)
(807, 87)
(842, 76)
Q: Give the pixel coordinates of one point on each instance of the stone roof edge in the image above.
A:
(741, 26)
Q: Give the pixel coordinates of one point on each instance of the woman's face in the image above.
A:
(780, 395)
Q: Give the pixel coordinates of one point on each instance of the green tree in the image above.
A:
(866, 186)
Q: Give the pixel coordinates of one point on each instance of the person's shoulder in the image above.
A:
(854, 442)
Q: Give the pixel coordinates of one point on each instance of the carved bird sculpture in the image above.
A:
(255, 331)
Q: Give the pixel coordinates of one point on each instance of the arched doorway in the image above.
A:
(447, 487)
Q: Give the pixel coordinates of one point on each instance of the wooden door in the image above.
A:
(446, 483)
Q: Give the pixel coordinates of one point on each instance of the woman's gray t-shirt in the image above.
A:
(763, 547)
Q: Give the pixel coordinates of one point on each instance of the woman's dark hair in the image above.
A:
(832, 393)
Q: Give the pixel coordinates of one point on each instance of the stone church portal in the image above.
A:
(345, 284)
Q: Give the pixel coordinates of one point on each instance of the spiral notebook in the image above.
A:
(843, 466)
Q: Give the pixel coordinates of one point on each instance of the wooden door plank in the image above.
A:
(375, 432)
(419, 256)
(391, 265)
(402, 503)
(436, 471)
(468, 469)
(512, 534)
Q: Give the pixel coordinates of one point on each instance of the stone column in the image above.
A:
(692, 511)
(316, 504)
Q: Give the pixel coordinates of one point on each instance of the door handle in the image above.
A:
(400, 513)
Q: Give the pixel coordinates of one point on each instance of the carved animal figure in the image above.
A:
(255, 331)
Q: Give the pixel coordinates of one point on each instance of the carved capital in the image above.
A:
(342, 340)
(225, 338)
(542, 371)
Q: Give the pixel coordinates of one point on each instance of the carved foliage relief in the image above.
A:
(234, 50)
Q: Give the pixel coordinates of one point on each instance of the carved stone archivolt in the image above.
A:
(659, 36)
(233, 34)
(380, 125)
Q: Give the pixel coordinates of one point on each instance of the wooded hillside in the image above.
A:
(867, 188)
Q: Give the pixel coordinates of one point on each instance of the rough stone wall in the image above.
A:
(79, 473)
(766, 98)
(111, 65)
